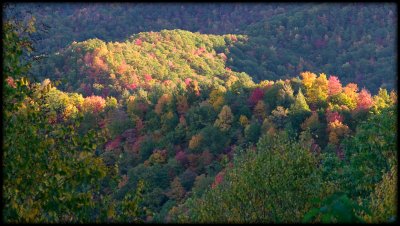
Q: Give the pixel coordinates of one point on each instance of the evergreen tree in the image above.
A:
(300, 104)
(299, 111)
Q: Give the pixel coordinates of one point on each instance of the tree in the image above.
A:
(50, 172)
(370, 152)
(279, 116)
(308, 79)
(257, 189)
(334, 86)
(260, 110)
(336, 130)
(318, 92)
(195, 141)
(351, 92)
(216, 99)
(252, 132)
(393, 97)
(130, 208)
(225, 119)
(164, 100)
(244, 121)
(177, 192)
(332, 116)
(93, 104)
(364, 100)
(201, 183)
(181, 104)
(285, 95)
(256, 95)
(383, 204)
(381, 101)
(299, 110)
(300, 105)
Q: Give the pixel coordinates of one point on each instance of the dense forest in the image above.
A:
(198, 113)
(354, 41)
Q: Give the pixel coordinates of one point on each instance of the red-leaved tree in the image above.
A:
(255, 96)
(334, 85)
(364, 100)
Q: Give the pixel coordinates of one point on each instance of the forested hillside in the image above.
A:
(353, 41)
(195, 127)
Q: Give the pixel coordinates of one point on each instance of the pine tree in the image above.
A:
(300, 104)
(299, 111)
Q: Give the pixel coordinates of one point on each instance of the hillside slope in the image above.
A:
(354, 41)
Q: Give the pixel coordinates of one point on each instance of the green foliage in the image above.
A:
(336, 208)
(371, 152)
(130, 209)
(51, 172)
(299, 110)
(252, 132)
(383, 203)
(60, 159)
(263, 186)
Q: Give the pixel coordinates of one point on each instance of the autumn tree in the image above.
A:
(181, 104)
(163, 101)
(177, 192)
(225, 119)
(243, 120)
(216, 99)
(364, 100)
(260, 110)
(318, 92)
(195, 141)
(337, 130)
(93, 104)
(308, 79)
(334, 86)
(393, 97)
(256, 95)
(381, 100)
(350, 90)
